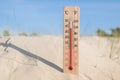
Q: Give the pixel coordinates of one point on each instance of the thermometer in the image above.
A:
(70, 42)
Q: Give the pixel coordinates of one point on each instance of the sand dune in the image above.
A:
(41, 58)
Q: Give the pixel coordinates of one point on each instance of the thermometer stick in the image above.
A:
(71, 40)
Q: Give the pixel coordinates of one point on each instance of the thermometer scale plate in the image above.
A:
(71, 39)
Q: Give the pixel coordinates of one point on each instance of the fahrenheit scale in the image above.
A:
(71, 39)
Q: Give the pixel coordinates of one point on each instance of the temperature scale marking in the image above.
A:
(71, 40)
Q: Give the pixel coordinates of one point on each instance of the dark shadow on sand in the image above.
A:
(27, 53)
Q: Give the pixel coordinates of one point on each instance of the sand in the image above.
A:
(41, 58)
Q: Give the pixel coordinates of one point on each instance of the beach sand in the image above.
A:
(41, 58)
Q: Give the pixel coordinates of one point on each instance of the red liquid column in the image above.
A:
(70, 67)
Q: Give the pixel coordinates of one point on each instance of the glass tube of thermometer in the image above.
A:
(70, 42)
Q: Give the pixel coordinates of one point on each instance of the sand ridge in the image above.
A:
(41, 58)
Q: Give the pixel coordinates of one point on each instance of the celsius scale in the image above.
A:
(71, 40)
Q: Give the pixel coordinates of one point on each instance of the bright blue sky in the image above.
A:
(46, 16)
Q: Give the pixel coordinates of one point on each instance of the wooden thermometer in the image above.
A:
(70, 43)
